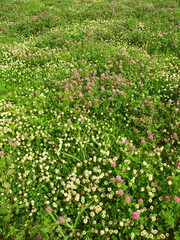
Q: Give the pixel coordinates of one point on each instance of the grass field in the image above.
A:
(89, 124)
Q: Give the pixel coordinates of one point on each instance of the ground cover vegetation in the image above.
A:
(89, 119)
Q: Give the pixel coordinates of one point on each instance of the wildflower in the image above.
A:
(102, 88)
(121, 224)
(121, 192)
(38, 236)
(140, 200)
(1, 153)
(135, 215)
(69, 121)
(121, 180)
(118, 177)
(112, 163)
(62, 220)
(112, 179)
(167, 198)
(25, 134)
(151, 137)
(143, 141)
(176, 199)
(127, 199)
(153, 184)
(48, 209)
(169, 182)
(175, 134)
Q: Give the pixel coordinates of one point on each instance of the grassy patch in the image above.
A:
(89, 119)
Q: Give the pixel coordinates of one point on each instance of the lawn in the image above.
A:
(89, 119)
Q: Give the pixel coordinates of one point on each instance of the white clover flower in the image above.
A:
(151, 236)
(85, 220)
(137, 206)
(162, 236)
(151, 194)
(106, 229)
(169, 182)
(77, 197)
(132, 235)
(143, 233)
(154, 231)
(92, 214)
(121, 224)
(150, 177)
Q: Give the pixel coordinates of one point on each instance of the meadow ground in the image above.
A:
(89, 119)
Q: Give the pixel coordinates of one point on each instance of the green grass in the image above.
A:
(89, 106)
